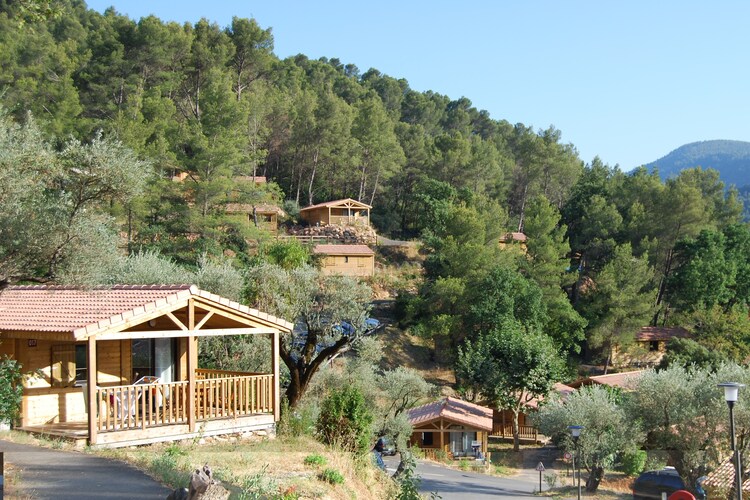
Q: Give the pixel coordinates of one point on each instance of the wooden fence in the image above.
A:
(217, 395)
(525, 432)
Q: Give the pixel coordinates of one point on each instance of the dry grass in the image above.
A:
(271, 468)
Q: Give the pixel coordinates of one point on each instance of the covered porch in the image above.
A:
(133, 377)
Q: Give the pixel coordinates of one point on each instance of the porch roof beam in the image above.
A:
(215, 332)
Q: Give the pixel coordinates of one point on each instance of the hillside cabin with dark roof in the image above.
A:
(455, 426)
(649, 347)
(348, 260)
(339, 212)
(118, 366)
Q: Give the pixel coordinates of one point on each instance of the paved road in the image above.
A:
(64, 475)
(453, 484)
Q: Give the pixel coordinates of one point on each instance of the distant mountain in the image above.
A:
(730, 158)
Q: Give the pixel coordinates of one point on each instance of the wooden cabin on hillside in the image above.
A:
(267, 215)
(515, 238)
(455, 426)
(349, 260)
(338, 212)
(118, 366)
(649, 347)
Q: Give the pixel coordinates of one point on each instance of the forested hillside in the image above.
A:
(101, 112)
(730, 158)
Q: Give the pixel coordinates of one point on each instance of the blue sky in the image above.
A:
(627, 81)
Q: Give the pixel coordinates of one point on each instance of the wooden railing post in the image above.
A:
(192, 365)
(91, 380)
(275, 381)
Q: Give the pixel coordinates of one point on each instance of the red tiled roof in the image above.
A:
(654, 333)
(563, 390)
(83, 313)
(624, 380)
(722, 480)
(343, 250)
(336, 203)
(516, 236)
(455, 410)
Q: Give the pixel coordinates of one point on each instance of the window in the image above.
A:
(143, 358)
(68, 365)
(154, 358)
(346, 259)
(81, 363)
(653, 345)
(427, 439)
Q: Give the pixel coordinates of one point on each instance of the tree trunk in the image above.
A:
(516, 432)
(595, 477)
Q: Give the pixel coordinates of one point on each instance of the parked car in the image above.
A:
(651, 484)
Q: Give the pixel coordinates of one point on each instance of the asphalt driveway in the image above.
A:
(454, 484)
(68, 475)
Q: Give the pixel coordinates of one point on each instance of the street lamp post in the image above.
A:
(575, 431)
(731, 394)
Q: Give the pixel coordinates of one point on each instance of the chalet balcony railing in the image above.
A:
(234, 396)
(506, 431)
(217, 395)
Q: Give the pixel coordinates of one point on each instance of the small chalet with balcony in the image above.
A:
(339, 212)
(455, 426)
(118, 366)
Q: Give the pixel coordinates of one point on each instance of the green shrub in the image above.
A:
(332, 476)
(11, 390)
(345, 420)
(297, 422)
(464, 464)
(441, 455)
(315, 460)
(633, 463)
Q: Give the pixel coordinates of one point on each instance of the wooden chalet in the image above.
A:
(649, 347)
(349, 260)
(118, 366)
(457, 427)
(502, 420)
(338, 212)
(267, 215)
(514, 238)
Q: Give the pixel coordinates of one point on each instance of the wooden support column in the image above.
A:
(275, 364)
(442, 438)
(91, 380)
(192, 365)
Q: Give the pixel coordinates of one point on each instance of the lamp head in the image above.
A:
(575, 430)
(731, 391)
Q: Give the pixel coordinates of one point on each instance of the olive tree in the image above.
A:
(329, 313)
(607, 429)
(683, 413)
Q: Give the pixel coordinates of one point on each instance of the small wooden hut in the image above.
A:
(349, 260)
